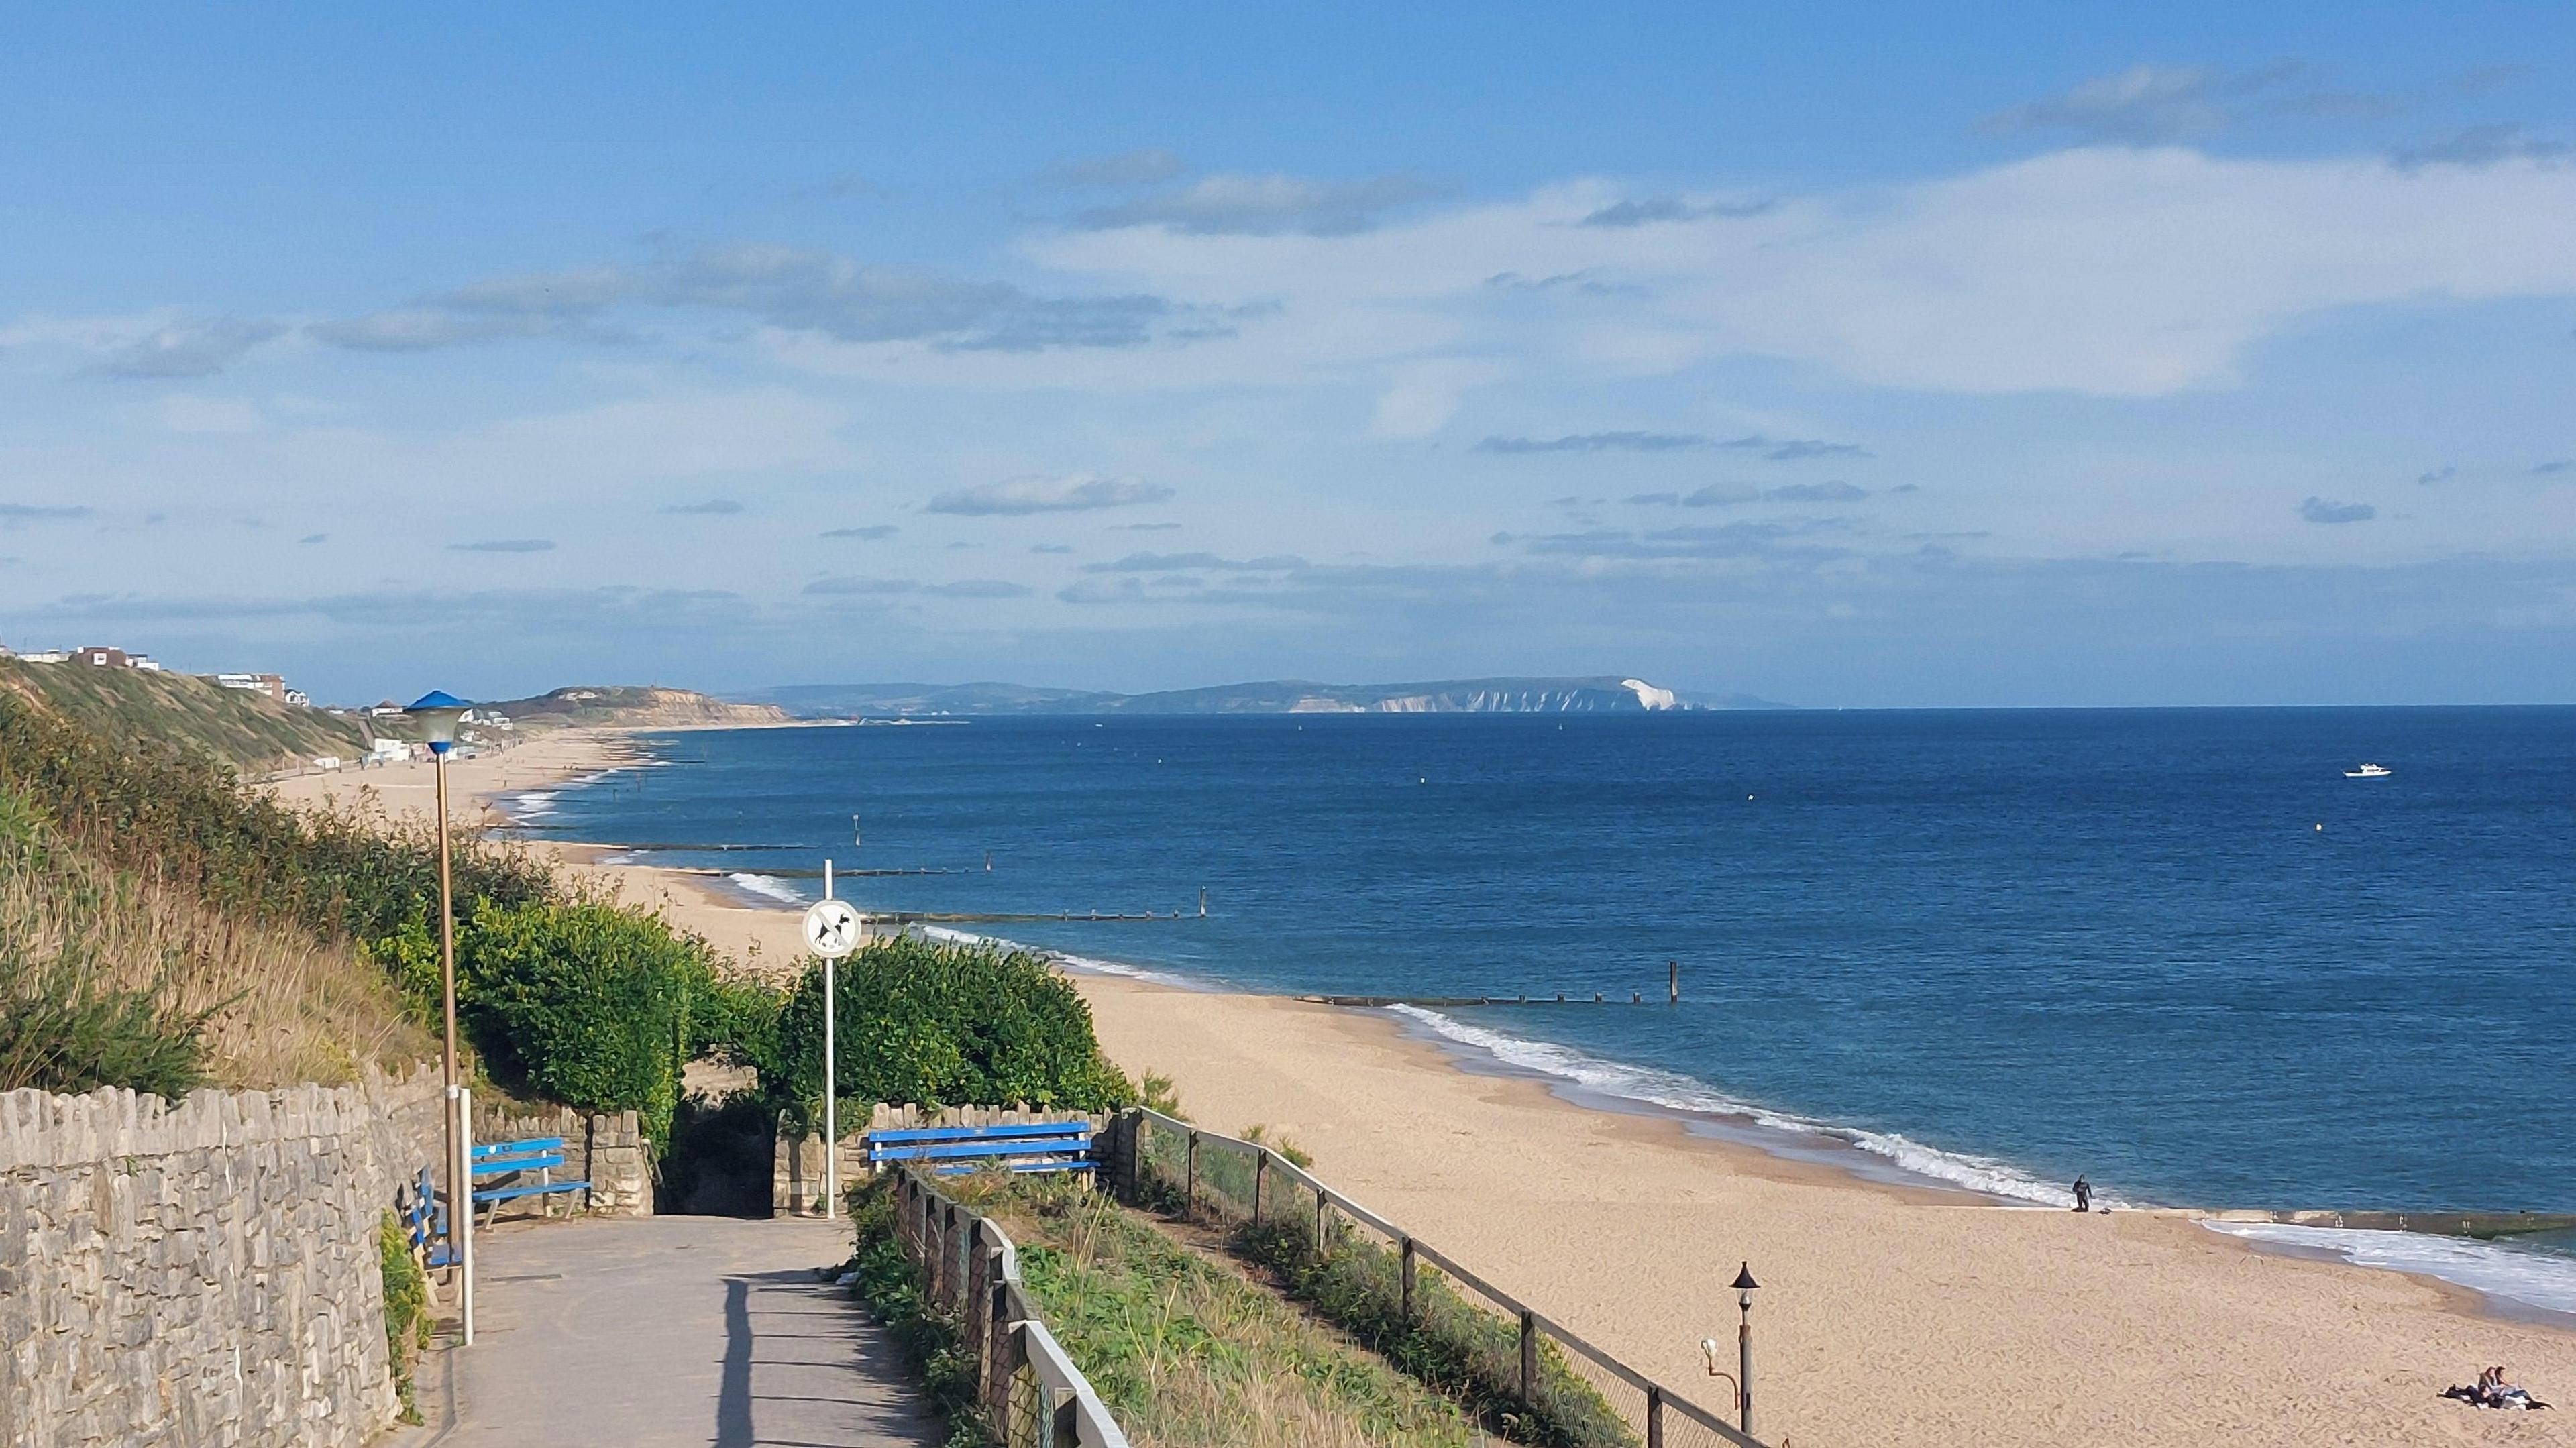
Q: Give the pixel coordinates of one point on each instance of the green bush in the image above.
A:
(406, 1310)
(941, 1025)
(586, 1002)
(184, 819)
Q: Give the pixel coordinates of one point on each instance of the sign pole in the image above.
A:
(831, 1092)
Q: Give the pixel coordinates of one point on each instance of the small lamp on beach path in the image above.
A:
(438, 714)
(1744, 1286)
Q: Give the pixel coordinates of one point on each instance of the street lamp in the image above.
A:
(438, 714)
(1744, 1286)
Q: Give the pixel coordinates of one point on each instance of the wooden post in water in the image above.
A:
(1677, 982)
(1407, 1274)
(1203, 902)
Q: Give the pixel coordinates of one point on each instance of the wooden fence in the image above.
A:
(1509, 1349)
(1032, 1393)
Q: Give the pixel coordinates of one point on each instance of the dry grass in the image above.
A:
(285, 1008)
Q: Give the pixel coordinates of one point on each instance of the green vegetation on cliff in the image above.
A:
(249, 731)
(162, 925)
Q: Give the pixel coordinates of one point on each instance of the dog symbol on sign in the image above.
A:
(833, 928)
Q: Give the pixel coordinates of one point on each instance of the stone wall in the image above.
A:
(606, 1151)
(205, 1272)
(796, 1177)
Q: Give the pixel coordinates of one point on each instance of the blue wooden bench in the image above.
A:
(539, 1154)
(424, 1219)
(953, 1150)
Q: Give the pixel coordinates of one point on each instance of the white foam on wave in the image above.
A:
(769, 885)
(1677, 1092)
(2545, 1280)
(532, 803)
(1085, 964)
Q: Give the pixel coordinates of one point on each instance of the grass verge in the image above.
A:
(1185, 1350)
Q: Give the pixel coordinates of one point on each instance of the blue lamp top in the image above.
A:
(435, 699)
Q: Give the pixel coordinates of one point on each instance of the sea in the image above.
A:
(2179, 952)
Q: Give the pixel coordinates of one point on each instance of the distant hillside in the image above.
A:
(599, 704)
(1605, 694)
(249, 731)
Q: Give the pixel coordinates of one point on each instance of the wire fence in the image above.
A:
(1431, 1316)
(1032, 1394)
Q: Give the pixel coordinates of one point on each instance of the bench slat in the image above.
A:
(1027, 1130)
(503, 1168)
(948, 1151)
(1017, 1166)
(503, 1194)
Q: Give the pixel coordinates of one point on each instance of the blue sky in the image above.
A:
(1847, 355)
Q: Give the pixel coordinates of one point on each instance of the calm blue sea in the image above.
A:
(2176, 950)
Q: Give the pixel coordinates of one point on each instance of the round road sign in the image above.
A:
(832, 928)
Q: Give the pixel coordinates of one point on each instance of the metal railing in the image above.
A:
(1032, 1394)
(1454, 1322)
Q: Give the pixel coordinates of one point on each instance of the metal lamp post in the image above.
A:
(1744, 1286)
(439, 713)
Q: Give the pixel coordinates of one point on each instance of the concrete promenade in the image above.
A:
(667, 1332)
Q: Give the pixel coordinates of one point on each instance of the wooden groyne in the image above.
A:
(2484, 1226)
(1597, 998)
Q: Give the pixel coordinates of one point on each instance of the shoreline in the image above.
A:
(1572, 1205)
(1896, 1310)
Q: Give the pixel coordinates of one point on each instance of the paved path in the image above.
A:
(677, 1331)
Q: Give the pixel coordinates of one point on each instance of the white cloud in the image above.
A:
(2119, 272)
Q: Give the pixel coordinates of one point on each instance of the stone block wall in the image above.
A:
(607, 1151)
(796, 1178)
(201, 1272)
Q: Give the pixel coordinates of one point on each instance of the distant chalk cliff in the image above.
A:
(1604, 694)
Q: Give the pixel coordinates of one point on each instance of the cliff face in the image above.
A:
(1603, 694)
(644, 707)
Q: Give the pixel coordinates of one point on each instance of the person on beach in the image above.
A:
(2083, 1195)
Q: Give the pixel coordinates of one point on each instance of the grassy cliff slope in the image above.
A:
(251, 732)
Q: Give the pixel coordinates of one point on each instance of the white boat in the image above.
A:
(2368, 771)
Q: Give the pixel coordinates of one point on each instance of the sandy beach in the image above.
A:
(1887, 1315)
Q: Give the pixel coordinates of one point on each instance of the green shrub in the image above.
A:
(406, 1310)
(587, 1002)
(942, 1025)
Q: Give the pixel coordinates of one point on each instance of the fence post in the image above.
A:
(999, 1365)
(1654, 1416)
(1408, 1279)
(1323, 1204)
(1190, 1193)
(1260, 1169)
(1529, 1357)
(1134, 1141)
